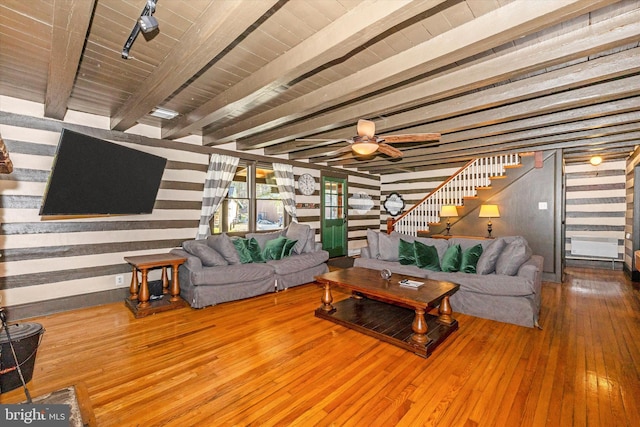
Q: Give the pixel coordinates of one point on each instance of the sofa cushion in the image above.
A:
(513, 256)
(452, 259)
(222, 243)
(208, 256)
(263, 238)
(296, 263)
(406, 253)
(468, 242)
(426, 256)
(394, 267)
(388, 245)
(299, 233)
(373, 243)
(487, 262)
(441, 245)
(469, 259)
(489, 284)
(230, 274)
(273, 248)
(310, 246)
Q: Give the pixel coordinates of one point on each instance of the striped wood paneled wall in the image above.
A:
(595, 203)
(631, 214)
(49, 265)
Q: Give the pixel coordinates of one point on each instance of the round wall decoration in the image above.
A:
(394, 204)
(361, 202)
(306, 184)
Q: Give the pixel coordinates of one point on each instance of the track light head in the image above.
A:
(147, 23)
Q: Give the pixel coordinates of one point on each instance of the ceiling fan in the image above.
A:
(366, 142)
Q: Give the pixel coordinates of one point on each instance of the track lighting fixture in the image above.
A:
(146, 22)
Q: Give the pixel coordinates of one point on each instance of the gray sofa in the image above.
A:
(214, 272)
(504, 285)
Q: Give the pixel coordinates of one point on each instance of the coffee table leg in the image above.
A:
(445, 312)
(327, 299)
(419, 327)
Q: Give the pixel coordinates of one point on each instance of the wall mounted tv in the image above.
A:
(95, 177)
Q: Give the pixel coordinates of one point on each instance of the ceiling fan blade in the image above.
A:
(389, 150)
(366, 128)
(411, 137)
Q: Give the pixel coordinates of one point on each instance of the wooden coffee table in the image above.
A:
(390, 312)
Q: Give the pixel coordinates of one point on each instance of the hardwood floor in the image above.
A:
(269, 361)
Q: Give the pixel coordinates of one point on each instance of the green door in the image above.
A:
(334, 215)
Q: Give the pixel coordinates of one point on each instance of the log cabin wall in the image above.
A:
(632, 215)
(595, 206)
(51, 265)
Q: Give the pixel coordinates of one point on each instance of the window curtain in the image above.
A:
(286, 188)
(216, 186)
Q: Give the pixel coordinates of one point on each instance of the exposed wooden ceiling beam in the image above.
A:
(590, 115)
(577, 44)
(488, 31)
(534, 91)
(71, 20)
(217, 27)
(343, 35)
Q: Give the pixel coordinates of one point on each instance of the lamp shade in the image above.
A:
(448, 211)
(489, 211)
(364, 147)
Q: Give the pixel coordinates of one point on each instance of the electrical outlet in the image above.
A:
(119, 279)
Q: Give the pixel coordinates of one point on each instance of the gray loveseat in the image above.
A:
(217, 271)
(504, 284)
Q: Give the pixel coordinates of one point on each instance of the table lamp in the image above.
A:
(489, 211)
(448, 211)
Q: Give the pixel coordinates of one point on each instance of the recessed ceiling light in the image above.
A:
(164, 113)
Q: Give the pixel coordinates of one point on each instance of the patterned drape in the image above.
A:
(216, 185)
(286, 188)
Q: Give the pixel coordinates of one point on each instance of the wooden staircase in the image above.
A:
(461, 187)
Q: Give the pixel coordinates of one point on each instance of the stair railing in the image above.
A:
(464, 183)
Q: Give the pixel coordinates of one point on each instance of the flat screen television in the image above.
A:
(95, 177)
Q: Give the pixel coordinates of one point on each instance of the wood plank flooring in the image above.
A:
(269, 361)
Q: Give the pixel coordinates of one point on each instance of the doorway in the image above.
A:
(334, 215)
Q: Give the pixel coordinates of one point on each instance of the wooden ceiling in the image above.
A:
(489, 75)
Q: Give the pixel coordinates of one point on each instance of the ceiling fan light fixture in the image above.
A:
(366, 128)
(364, 147)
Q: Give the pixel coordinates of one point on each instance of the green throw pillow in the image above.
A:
(470, 259)
(243, 251)
(406, 253)
(287, 249)
(254, 249)
(273, 248)
(426, 256)
(451, 259)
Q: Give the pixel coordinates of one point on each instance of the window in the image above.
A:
(252, 204)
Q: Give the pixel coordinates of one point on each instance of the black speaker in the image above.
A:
(26, 339)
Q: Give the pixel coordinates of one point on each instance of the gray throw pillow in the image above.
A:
(372, 242)
(513, 256)
(311, 241)
(389, 247)
(209, 256)
(223, 244)
(487, 262)
(298, 232)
